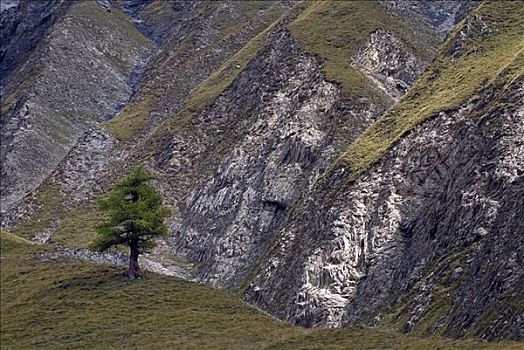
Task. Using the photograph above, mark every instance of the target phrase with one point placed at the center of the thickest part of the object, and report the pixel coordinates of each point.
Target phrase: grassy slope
(74, 227)
(211, 88)
(67, 304)
(48, 209)
(133, 119)
(115, 21)
(496, 59)
(216, 83)
(335, 30)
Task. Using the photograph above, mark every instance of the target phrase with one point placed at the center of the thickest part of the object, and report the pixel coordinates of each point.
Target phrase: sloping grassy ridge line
(335, 30)
(211, 88)
(493, 58)
(69, 304)
(134, 118)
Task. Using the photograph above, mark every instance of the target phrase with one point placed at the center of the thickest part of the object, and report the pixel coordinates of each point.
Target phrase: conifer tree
(135, 216)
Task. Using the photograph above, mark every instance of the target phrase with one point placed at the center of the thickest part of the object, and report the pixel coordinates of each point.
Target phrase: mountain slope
(87, 168)
(420, 226)
(51, 106)
(237, 165)
(325, 160)
(185, 57)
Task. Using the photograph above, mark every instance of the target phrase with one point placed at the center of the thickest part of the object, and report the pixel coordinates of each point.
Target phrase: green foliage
(70, 304)
(134, 213)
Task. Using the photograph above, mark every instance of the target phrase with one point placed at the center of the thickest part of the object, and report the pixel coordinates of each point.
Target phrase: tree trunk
(134, 269)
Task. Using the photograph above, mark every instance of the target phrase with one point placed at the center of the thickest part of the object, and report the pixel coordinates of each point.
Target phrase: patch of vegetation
(514, 304)
(69, 304)
(49, 209)
(495, 59)
(11, 242)
(442, 297)
(115, 21)
(350, 338)
(127, 124)
(335, 31)
(77, 229)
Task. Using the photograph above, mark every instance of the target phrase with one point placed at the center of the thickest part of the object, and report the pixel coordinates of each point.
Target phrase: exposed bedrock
(439, 218)
(43, 117)
(276, 143)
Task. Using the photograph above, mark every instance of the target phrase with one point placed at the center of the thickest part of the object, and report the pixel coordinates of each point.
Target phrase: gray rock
(351, 252)
(388, 63)
(59, 104)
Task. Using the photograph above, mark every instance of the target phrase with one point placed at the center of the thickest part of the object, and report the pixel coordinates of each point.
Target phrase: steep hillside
(204, 40)
(333, 163)
(68, 304)
(418, 225)
(244, 163)
(186, 56)
(51, 106)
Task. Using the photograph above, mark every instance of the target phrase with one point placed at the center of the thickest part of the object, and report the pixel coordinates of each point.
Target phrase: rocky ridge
(277, 149)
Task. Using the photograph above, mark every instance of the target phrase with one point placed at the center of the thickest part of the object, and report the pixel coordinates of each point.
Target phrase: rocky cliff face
(314, 162)
(245, 164)
(428, 238)
(281, 142)
(429, 219)
(385, 61)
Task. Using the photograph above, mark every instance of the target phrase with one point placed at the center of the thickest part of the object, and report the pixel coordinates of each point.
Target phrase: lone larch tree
(135, 216)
